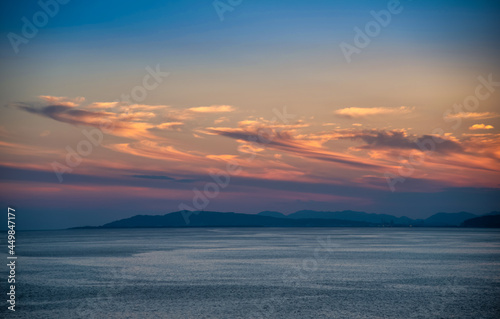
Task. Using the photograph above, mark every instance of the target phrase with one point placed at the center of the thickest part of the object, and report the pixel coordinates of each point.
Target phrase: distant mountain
(436, 220)
(272, 214)
(303, 218)
(486, 221)
(493, 213)
(383, 219)
(216, 219)
(448, 219)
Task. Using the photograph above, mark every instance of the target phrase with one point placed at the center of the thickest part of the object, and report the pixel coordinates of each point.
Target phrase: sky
(111, 109)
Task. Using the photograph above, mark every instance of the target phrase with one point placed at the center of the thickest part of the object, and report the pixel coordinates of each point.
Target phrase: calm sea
(256, 273)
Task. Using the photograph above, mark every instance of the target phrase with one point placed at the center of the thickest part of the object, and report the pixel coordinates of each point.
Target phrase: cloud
(23, 149)
(212, 109)
(132, 121)
(156, 177)
(64, 113)
(103, 105)
(221, 120)
(223, 157)
(125, 108)
(45, 133)
(144, 107)
(481, 127)
(136, 116)
(197, 112)
(154, 150)
(473, 115)
(485, 144)
(399, 139)
(170, 126)
(125, 125)
(451, 159)
(282, 140)
(363, 112)
(261, 123)
(62, 100)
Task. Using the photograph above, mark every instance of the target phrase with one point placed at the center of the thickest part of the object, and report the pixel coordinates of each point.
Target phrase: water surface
(258, 273)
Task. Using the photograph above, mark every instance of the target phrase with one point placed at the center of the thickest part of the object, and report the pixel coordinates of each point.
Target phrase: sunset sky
(179, 90)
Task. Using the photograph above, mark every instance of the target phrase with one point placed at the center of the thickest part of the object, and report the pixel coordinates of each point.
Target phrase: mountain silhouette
(272, 214)
(383, 219)
(449, 219)
(486, 221)
(217, 219)
(303, 218)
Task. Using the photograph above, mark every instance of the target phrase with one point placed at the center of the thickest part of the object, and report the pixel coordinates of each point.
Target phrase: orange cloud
(397, 139)
(154, 150)
(145, 107)
(212, 109)
(22, 149)
(312, 153)
(170, 126)
(363, 112)
(133, 124)
(481, 127)
(221, 120)
(473, 115)
(103, 105)
(62, 100)
(284, 141)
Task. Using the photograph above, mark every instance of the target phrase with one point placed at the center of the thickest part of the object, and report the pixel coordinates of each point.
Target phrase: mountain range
(303, 218)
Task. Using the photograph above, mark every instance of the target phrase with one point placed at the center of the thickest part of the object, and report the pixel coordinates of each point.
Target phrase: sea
(255, 273)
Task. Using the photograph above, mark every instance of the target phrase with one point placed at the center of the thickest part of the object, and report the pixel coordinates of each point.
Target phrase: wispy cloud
(131, 121)
(363, 112)
(62, 100)
(397, 139)
(221, 120)
(473, 115)
(198, 112)
(125, 125)
(212, 109)
(155, 177)
(284, 140)
(154, 150)
(103, 105)
(305, 150)
(170, 126)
